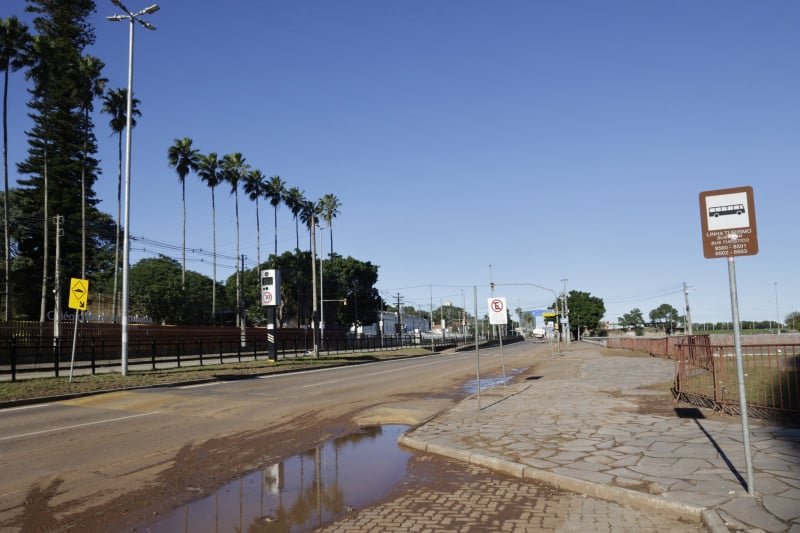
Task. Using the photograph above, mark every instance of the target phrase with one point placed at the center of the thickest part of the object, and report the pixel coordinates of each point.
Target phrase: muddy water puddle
(303, 492)
(471, 387)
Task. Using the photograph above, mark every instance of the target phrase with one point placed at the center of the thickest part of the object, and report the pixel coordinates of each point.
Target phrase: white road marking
(203, 385)
(64, 428)
(22, 407)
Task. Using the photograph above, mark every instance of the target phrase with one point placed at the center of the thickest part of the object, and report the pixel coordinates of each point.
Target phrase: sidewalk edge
(614, 494)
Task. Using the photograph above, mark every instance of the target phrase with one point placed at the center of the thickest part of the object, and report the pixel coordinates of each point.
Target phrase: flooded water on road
(303, 492)
(471, 387)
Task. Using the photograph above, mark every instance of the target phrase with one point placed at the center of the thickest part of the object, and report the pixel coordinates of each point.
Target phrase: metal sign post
(499, 317)
(78, 295)
(728, 221)
(477, 350)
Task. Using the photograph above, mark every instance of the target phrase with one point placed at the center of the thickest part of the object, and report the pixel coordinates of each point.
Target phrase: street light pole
(777, 312)
(555, 296)
(321, 297)
(126, 245)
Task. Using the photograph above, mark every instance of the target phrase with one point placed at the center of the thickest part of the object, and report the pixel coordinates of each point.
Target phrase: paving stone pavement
(479, 500)
(582, 432)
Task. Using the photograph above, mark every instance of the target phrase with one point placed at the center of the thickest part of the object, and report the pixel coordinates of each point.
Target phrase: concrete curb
(604, 492)
(713, 523)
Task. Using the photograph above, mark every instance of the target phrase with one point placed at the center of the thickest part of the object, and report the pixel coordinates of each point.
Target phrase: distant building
(387, 325)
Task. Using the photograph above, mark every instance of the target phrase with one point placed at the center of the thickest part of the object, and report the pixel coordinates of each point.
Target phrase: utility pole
(566, 311)
(58, 219)
(777, 312)
(314, 312)
(430, 294)
(242, 321)
(688, 312)
(399, 327)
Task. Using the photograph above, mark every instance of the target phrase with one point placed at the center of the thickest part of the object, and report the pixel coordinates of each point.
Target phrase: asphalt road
(86, 462)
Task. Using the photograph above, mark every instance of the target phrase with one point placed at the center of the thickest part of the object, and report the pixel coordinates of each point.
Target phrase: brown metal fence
(655, 346)
(31, 349)
(706, 375)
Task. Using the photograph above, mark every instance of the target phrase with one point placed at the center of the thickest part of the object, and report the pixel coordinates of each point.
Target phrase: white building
(387, 325)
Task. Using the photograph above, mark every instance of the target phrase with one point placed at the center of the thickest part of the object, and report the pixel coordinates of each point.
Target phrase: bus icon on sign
(736, 209)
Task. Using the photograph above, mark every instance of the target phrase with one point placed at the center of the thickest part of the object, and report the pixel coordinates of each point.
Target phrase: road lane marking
(203, 385)
(76, 426)
(23, 407)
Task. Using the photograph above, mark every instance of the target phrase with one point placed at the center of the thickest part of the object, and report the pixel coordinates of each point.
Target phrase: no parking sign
(497, 311)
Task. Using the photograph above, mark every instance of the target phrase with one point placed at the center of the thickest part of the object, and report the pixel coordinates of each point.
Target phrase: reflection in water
(471, 387)
(303, 492)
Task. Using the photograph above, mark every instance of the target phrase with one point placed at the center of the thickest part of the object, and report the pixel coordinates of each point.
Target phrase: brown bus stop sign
(728, 220)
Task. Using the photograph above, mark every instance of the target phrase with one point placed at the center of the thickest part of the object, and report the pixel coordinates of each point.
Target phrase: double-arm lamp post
(131, 18)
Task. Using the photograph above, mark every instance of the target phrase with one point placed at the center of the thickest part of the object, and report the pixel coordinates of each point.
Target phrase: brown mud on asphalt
(197, 470)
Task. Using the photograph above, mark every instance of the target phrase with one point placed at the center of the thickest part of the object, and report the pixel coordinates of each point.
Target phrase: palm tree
(183, 158)
(115, 103)
(208, 168)
(294, 201)
(14, 44)
(91, 85)
(276, 192)
(234, 169)
(254, 187)
(329, 209)
(308, 216)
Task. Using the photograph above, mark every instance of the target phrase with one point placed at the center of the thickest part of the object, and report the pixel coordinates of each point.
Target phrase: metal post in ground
(737, 343)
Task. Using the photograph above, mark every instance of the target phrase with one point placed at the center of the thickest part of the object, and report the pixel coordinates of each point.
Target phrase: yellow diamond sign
(78, 293)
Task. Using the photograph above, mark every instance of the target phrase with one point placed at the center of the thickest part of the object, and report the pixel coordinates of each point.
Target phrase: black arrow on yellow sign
(78, 293)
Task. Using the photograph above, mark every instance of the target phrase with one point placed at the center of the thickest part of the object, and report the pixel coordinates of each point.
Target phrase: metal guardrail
(706, 375)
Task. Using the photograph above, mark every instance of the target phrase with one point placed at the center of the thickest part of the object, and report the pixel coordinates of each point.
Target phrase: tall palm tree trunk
(183, 246)
(296, 233)
(213, 256)
(331, 232)
(7, 244)
(238, 273)
(258, 235)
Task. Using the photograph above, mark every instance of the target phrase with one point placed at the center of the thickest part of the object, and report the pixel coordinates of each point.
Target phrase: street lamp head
(115, 18)
(150, 9)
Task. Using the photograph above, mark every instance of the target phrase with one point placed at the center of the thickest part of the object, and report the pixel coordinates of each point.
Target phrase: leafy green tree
(666, 317)
(792, 320)
(354, 280)
(275, 191)
(210, 171)
(294, 201)
(156, 292)
(309, 215)
(183, 158)
(329, 209)
(632, 319)
(15, 41)
(115, 104)
(585, 311)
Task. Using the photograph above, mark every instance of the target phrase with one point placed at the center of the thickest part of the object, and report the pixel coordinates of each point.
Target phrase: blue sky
(551, 140)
